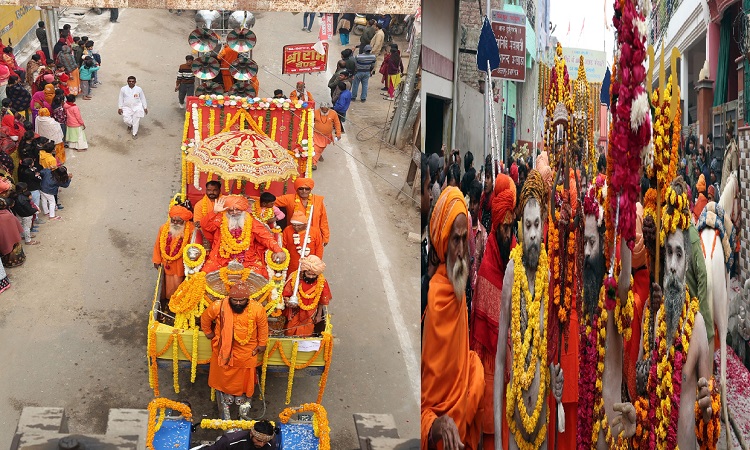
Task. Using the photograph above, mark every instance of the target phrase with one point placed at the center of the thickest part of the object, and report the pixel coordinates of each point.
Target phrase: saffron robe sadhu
(232, 367)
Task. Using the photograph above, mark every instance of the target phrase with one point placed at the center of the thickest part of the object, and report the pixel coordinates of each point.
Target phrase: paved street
(73, 324)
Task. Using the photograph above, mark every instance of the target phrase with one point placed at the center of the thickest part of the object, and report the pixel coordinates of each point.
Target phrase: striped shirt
(365, 62)
(185, 74)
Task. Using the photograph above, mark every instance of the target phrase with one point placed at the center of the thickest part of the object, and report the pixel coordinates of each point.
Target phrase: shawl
(48, 127)
(10, 231)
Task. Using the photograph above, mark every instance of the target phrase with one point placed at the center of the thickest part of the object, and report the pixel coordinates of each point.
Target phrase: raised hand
(219, 205)
(624, 422)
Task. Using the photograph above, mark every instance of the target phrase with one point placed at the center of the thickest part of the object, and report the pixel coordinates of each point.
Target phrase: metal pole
(487, 87)
(293, 299)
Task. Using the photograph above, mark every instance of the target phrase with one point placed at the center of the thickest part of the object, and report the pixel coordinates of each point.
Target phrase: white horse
(717, 275)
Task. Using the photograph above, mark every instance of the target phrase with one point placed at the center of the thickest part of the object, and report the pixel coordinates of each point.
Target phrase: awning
(530, 35)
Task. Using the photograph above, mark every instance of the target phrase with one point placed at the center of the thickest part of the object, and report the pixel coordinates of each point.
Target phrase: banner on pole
(326, 28)
(510, 32)
(303, 58)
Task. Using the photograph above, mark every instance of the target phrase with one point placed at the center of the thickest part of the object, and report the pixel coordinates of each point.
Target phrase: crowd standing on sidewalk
(39, 121)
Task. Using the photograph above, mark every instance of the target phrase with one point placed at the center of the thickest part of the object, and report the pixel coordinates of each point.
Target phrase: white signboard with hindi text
(595, 62)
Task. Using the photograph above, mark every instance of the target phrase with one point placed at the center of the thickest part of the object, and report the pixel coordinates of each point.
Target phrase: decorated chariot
(251, 145)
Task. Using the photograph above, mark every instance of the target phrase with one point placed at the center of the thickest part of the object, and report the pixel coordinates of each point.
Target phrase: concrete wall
(439, 23)
(470, 122)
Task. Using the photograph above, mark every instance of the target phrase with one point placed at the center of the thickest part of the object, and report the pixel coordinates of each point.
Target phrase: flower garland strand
(631, 130)
(290, 379)
(159, 404)
(322, 430)
(226, 425)
(530, 347)
(229, 245)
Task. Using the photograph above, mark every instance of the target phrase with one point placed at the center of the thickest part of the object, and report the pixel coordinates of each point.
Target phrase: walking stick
(293, 301)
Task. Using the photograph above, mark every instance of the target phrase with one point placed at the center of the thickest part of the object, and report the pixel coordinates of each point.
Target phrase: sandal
(32, 243)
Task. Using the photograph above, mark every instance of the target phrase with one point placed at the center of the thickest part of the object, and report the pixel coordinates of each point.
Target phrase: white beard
(176, 231)
(458, 275)
(236, 222)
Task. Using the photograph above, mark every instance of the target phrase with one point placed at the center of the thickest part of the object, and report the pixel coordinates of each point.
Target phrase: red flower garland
(627, 143)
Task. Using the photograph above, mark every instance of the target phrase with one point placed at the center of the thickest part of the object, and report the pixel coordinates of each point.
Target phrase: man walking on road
(365, 64)
(41, 34)
(132, 105)
(327, 130)
(185, 80)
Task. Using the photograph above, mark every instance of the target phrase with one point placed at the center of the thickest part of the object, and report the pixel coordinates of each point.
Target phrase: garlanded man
(606, 312)
(313, 293)
(238, 329)
(327, 130)
(237, 236)
(300, 94)
(486, 309)
(302, 200)
(206, 205)
(678, 403)
(173, 236)
(523, 316)
(452, 375)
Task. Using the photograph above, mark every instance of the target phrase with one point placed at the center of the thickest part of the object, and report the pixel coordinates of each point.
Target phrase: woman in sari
(11, 250)
(42, 99)
(48, 127)
(33, 66)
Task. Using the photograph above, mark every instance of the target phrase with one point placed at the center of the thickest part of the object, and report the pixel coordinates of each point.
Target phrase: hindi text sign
(510, 32)
(302, 58)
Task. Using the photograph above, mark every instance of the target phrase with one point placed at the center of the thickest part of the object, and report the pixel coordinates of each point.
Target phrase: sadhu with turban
(301, 200)
(486, 306)
(173, 236)
(237, 235)
(238, 329)
(452, 375)
(294, 237)
(313, 293)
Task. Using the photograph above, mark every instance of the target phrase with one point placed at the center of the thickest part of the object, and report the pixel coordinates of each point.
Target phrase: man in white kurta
(132, 105)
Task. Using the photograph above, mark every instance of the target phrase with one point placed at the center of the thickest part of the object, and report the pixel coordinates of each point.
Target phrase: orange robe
(251, 324)
(700, 203)
(201, 208)
(250, 257)
(320, 217)
(325, 125)
(641, 292)
(227, 56)
(299, 322)
(315, 246)
(308, 97)
(452, 375)
(174, 272)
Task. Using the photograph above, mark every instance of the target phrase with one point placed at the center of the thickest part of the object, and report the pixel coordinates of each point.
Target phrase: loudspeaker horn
(243, 68)
(243, 89)
(208, 88)
(203, 40)
(241, 40)
(206, 67)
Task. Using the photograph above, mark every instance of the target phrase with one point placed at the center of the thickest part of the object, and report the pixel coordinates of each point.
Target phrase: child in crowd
(75, 136)
(52, 181)
(24, 208)
(88, 69)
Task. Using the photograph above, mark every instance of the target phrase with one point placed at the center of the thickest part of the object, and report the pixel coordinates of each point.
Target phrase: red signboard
(510, 32)
(302, 58)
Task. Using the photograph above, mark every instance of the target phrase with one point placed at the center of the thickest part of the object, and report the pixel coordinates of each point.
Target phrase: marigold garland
(193, 267)
(229, 245)
(290, 379)
(174, 252)
(660, 408)
(263, 215)
(649, 203)
(530, 344)
(314, 294)
(278, 267)
(319, 415)
(708, 432)
(273, 129)
(680, 217)
(159, 404)
(218, 424)
(224, 273)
